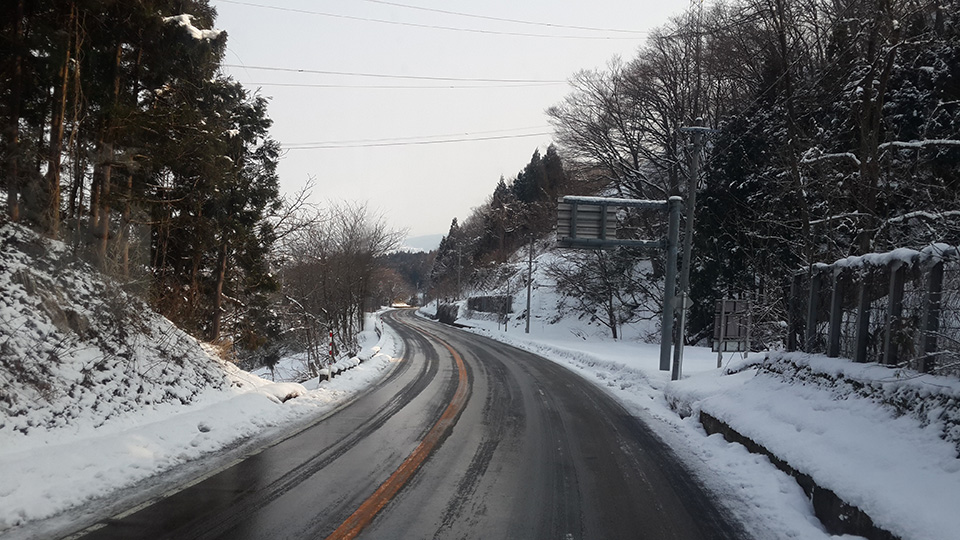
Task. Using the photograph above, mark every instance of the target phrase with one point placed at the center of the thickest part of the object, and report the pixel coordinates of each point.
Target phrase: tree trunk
(75, 204)
(124, 237)
(195, 276)
(793, 131)
(50, 209)
(612, 315)
(105, 147)
(609, 294)
(102, 230)
(161, 233)
(75, 144)
(218, 295)
(871, 123)
(16, 94)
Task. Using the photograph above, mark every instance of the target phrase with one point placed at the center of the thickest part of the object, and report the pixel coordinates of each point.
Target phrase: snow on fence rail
(896, 308)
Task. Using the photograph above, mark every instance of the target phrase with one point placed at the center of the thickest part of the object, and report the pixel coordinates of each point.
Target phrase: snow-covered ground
(103, 400)
(81, 423)
(55, 470)
(844, 424)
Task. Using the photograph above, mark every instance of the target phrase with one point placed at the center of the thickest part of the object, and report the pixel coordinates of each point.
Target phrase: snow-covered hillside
(78, 352)
(551, 311)
(98, 394)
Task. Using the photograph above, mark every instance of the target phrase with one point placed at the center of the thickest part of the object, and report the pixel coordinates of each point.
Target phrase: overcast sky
(368, 144)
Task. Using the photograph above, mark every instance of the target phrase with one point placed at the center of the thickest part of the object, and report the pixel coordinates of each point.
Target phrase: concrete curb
(837, 516)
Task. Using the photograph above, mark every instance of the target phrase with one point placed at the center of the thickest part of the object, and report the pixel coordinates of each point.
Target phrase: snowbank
(856, 429)
(884, 440)
(296, 368)
(101, 395)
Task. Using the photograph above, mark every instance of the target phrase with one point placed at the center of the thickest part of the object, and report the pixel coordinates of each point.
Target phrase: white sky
(420, 187)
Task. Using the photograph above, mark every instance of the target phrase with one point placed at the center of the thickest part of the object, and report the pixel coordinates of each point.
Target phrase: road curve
(466, 438)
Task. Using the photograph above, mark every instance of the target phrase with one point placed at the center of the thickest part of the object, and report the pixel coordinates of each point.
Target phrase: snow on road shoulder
(884, 440)
(376, 342)
(884, 461)
(69, 467)
(767, 501)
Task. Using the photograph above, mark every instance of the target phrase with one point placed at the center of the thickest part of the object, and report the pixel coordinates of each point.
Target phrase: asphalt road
(466, 438)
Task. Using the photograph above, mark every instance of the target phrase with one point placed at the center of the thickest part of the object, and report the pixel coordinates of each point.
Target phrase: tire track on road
(369, 509)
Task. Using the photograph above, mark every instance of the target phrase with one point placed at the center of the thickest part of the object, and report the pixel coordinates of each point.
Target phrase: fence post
(893, 326)
(723, 331)
(813, 306)
(793, 312)
(863, 316)
(836, 314)
(931, 316)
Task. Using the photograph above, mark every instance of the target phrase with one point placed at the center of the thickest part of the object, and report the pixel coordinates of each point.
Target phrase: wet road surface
(466, 438)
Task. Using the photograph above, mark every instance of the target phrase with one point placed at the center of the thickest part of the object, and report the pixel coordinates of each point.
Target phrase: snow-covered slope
(99, 394)
(77, 352)
(551, 312)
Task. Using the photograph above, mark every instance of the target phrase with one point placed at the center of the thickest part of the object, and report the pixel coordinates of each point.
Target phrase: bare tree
(330, 266)
(611, 288)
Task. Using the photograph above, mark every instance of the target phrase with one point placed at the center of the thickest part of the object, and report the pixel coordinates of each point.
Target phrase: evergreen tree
(113, 117)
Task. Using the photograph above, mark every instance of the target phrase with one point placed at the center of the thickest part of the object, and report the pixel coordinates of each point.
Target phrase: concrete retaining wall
(837, 516)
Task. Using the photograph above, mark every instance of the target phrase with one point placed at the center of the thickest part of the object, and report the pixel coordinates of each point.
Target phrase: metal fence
(898, 308)
(491, 304)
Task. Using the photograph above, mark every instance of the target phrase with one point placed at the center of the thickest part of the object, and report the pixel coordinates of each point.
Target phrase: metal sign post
(591, 223)
(731, 327)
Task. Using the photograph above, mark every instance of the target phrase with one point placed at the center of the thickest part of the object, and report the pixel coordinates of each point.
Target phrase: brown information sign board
(731, 326)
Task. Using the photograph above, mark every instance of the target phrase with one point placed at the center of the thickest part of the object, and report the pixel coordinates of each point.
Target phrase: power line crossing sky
(419, 106)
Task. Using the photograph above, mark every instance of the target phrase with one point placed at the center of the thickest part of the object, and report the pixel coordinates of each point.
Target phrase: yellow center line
(389, 489)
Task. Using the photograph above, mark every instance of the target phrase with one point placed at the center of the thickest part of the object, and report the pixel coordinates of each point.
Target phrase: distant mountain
(427, 242)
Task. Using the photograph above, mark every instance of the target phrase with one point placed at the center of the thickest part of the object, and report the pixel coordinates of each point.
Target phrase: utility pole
(670, 281)
(697, 131)
(529, 282)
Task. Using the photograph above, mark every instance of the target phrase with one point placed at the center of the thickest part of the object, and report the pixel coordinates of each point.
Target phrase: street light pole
(697, 132)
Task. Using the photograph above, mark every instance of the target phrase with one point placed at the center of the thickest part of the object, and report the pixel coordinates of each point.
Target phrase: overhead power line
(422, 137)
(391, 76)
(407, 86)
(402, 142)
(418, 25)
(502, 19)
